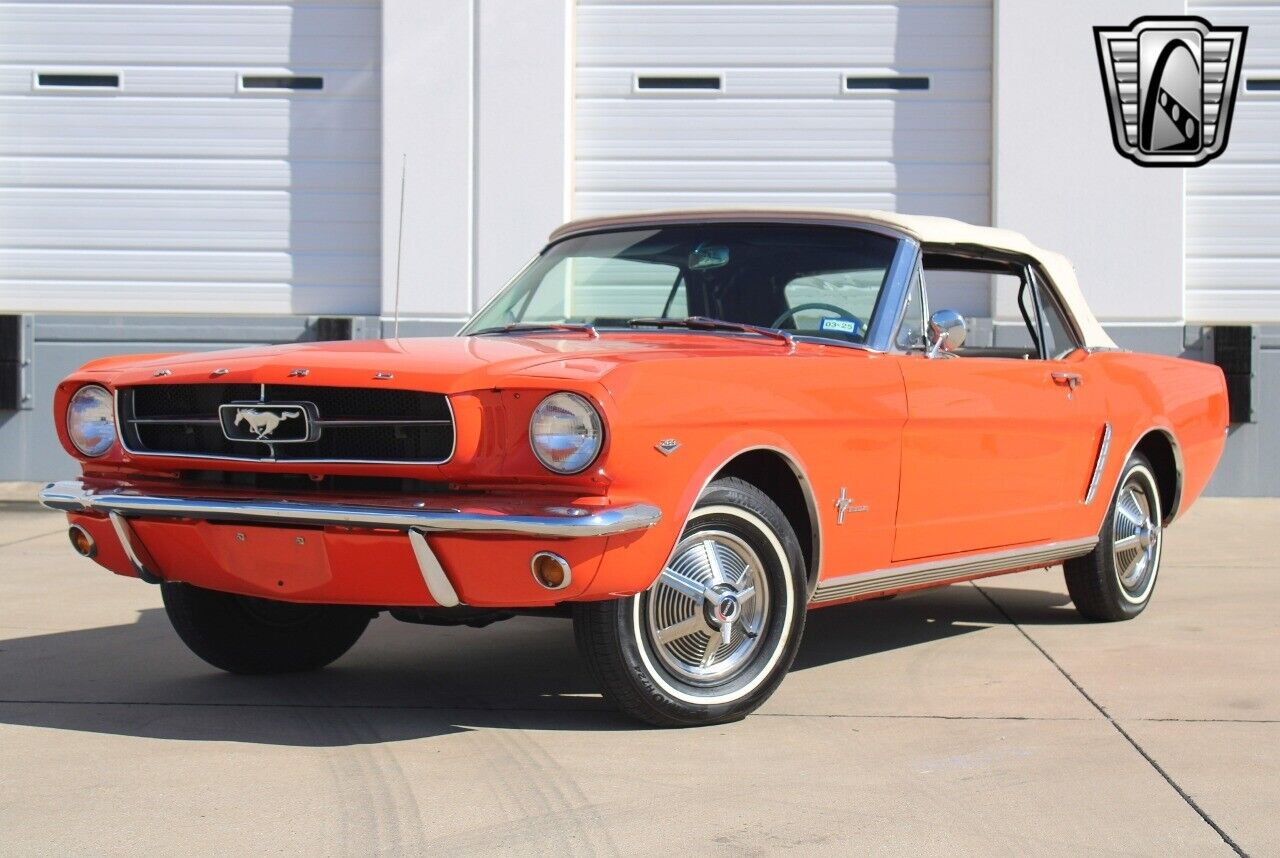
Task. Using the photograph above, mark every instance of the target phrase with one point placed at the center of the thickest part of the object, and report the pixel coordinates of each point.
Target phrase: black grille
(355, 424)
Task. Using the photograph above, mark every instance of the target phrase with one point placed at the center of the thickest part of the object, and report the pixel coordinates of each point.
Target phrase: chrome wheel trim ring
(784, 603)
(1136, 535)
(711, 638)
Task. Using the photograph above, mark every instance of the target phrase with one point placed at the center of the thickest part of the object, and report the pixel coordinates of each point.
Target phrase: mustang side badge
(1170, 84)
(844, 504)
(667, 446)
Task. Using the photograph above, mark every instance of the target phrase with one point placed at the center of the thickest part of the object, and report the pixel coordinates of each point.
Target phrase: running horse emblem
(263, 423)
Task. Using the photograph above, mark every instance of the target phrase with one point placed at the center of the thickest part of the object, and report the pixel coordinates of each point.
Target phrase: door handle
(1067, 379)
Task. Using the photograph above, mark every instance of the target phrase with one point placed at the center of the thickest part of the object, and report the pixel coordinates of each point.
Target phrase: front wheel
(241, 634)
(1115, 580)
(713, 637)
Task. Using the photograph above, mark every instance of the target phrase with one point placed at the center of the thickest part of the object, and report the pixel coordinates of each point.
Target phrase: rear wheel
(716, 633)
(241, 634)
(1115, 580)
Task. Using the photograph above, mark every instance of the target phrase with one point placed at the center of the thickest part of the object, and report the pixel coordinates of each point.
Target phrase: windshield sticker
(844, 326)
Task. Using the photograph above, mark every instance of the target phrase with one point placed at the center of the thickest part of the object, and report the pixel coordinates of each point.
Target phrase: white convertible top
(932, 231)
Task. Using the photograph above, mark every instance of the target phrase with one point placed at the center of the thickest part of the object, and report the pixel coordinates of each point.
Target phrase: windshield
(806, 280)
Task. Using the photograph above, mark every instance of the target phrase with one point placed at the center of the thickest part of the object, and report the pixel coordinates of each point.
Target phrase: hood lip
(736, 336)
(613, 345)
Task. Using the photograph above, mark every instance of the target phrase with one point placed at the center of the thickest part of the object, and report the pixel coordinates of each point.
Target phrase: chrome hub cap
(705, 613)
(1136, 540)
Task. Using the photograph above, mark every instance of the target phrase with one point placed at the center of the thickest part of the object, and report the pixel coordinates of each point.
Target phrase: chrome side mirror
(946, 332)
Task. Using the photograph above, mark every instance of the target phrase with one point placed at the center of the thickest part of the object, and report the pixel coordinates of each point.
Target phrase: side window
(911, 333)
(1058, 339)
(1041, 317)
(1026, 316)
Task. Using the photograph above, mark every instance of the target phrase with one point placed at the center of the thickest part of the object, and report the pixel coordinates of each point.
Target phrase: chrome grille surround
(382, 430)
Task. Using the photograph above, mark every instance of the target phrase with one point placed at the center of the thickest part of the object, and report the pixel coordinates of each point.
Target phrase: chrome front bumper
(120, 504)
(551, 522)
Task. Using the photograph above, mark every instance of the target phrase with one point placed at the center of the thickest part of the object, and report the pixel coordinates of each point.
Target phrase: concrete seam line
(13, 701)
(1226, 838)
(29, 538)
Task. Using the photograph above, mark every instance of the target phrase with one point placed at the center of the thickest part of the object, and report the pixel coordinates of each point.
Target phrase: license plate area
(281, 560)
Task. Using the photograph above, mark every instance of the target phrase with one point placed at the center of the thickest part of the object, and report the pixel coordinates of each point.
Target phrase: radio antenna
(395, 325)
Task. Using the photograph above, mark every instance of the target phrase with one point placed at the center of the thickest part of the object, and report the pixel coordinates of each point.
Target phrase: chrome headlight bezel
(92, 407)
(589, 432)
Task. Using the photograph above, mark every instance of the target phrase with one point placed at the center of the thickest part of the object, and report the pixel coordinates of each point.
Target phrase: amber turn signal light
(81, 541)
(551, 570)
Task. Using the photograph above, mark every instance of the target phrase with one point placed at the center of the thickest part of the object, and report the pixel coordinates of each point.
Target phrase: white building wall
(428, 77)
(524, 133)
(1057, 177)
(476, 94)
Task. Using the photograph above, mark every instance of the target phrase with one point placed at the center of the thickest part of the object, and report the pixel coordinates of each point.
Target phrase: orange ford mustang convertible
(683, 429)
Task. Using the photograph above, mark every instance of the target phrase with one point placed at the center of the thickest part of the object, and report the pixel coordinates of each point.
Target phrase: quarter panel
(1184, 398)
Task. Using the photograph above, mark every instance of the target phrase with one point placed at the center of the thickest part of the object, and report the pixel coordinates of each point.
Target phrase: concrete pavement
(973, 719)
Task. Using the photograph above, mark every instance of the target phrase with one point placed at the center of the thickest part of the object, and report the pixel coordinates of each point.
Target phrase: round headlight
(91, 420)
(566, 432)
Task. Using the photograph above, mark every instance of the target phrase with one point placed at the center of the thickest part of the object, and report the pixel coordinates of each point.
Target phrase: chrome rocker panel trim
(560, 522)
(933, 571)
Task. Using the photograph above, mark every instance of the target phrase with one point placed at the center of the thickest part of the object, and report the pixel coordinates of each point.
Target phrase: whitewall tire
(1115, 581)
(718, 630)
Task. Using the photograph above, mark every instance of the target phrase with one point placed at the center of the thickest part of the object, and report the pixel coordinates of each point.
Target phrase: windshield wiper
(527, 327)
(705, 323)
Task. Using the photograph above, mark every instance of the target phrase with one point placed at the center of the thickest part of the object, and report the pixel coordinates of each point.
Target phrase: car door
(996, 451)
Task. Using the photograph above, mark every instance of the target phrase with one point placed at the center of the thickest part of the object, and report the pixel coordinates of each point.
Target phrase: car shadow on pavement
(407, 682)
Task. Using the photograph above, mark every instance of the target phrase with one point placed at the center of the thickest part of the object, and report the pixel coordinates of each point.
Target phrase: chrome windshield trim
(893, 296)
(657, 220)
(75, 496)
(950, 568)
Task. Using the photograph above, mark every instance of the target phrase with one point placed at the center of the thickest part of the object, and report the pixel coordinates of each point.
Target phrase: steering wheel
(859, 326)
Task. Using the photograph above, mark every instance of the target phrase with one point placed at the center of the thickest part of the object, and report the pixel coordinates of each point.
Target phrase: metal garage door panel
(782, 130)
(921, 35)
(110, 219)
(300, 33)
(1233, 203)
(238, 127)
(179, 192)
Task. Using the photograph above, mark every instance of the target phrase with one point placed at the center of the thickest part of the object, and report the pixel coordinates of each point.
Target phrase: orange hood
(443, 364)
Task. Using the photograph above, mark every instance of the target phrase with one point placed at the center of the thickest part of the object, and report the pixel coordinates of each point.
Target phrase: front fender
(633, 562)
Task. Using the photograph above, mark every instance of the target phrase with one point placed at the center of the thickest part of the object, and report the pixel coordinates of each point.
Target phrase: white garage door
(855, 104)
(189, 157)
(1233, 203)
